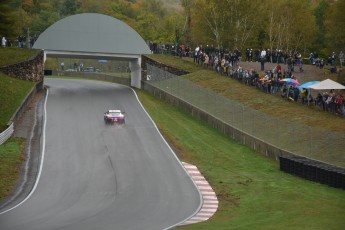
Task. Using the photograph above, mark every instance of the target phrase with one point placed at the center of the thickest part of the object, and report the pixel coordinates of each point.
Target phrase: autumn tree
(69, 7)
(7, 18)
(320, 14)
(186, 31)
(210, 22)
(335, 23)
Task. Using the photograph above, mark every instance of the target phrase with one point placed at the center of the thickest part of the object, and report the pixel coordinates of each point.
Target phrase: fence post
(242, 117)
(311, 141)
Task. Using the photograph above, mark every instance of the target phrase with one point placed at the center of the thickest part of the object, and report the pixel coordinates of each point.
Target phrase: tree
(27, 5)
(69, 7)
(320, 14)
(7, 19)
(210, 21)
(336, 24)
(187, 5)
(291, 26)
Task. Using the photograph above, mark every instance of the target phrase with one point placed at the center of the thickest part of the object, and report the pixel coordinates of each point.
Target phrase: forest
(291, 25)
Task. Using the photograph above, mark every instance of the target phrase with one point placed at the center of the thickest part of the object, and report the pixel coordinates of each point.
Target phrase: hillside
(250, 96)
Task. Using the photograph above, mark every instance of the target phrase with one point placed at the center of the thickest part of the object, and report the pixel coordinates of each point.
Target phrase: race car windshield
(114, 114)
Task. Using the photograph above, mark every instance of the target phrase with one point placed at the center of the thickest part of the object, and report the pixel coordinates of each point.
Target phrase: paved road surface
(98, 176)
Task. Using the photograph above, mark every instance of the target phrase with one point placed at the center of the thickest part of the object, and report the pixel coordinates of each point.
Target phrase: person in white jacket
(3, 41)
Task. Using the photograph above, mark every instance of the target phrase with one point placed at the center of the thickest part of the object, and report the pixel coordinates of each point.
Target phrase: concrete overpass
(94, 36)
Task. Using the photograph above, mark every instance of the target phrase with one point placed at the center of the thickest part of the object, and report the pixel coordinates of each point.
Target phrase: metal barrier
(6, 134)
(302, 140)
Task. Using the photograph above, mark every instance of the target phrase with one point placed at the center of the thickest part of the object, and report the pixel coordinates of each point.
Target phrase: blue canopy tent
(307, 85)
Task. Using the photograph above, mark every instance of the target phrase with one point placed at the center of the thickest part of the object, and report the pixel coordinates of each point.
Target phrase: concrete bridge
(95, 36)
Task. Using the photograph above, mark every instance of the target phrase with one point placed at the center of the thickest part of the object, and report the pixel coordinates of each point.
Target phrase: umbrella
(290, 81)
(307, 84)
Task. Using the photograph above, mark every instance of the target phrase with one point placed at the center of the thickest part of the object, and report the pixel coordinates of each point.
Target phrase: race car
(114, 116)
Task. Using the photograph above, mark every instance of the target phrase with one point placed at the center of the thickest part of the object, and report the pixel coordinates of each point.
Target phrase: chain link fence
(301, 140)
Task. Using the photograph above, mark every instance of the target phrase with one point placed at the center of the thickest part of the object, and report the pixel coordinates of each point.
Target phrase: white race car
(114, 116)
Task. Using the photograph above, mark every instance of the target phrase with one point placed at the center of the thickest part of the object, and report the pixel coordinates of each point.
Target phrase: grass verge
(253, 192)
(12, 94)
(16, 55)
(11, 159)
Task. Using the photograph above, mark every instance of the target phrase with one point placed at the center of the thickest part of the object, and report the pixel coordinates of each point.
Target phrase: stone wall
(31, 70)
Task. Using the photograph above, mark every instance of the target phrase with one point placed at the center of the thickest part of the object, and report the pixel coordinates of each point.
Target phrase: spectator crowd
(19, 42)
(276, 81)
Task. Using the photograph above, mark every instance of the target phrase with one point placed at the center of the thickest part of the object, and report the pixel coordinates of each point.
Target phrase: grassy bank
(15, 55)
(253, 192)
(11, 159)
(12, 94)
(272, 105)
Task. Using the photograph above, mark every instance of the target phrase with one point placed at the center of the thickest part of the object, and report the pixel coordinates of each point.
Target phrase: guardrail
(6, 134)
(9, 131)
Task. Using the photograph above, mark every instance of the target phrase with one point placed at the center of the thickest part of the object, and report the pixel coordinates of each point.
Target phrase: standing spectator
(333, 58)
(62, 66)
(341, 58)
(206, 61)
(339, 103)
(75, 66)
(295, 93)
(268, 55)
(311, 59)
(304, 95)
(3, 41)
(262, 59)
(290, 64)
(257, 55)
(299, 62)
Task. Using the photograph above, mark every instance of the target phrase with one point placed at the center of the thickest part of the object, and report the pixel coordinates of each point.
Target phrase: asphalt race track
(98, 176)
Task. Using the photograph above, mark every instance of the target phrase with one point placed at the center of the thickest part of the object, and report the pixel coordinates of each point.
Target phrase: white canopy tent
(326, 85)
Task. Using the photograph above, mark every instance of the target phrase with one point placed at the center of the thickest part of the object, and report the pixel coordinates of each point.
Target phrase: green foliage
(336, 24)
(43, 20)
(13, 92)
(10, 162)
(320, 15)
(7, 17)
(302, 25)
(69, 7)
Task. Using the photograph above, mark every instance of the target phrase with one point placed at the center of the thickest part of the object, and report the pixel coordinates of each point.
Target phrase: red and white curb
(210, 201)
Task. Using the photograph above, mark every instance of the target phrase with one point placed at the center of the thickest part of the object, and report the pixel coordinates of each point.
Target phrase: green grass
(15, 55)
(12, 94)
(253, 192)
(11, 159)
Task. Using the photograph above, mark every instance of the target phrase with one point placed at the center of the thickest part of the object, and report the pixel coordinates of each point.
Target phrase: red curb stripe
(210, 201)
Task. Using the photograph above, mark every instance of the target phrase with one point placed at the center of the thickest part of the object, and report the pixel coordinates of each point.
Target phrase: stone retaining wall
(146, 60)
(31, 70)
